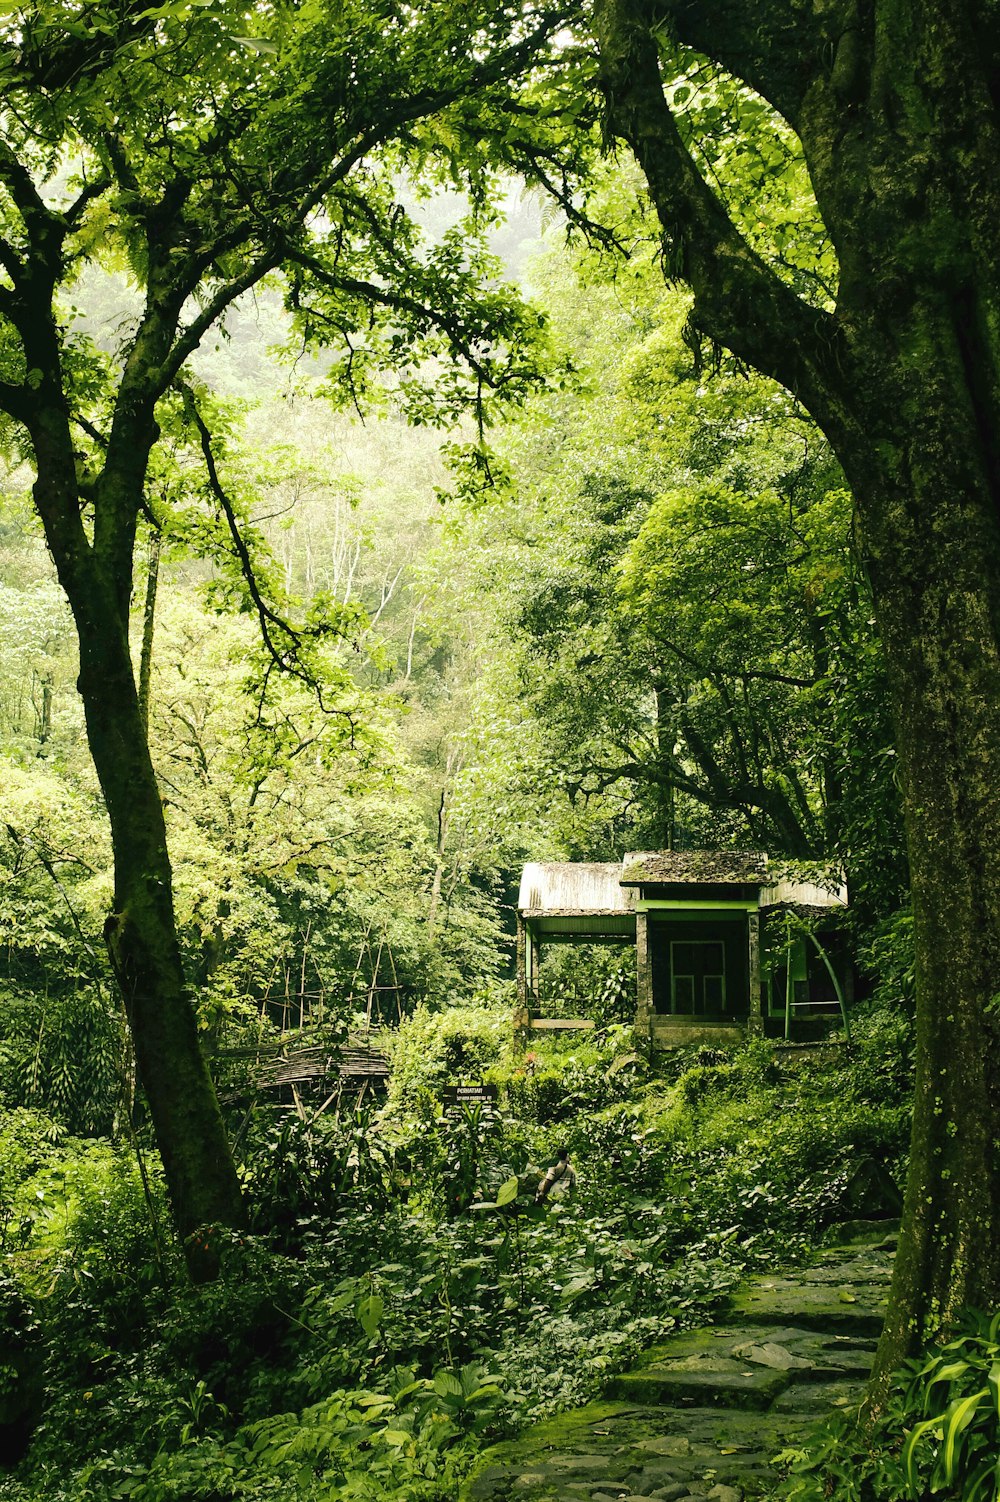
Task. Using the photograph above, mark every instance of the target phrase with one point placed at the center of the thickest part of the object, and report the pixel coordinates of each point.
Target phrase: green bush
(433, 1049)
(64, 1054)
(939, 1435)
(710, 1079)
(298, 1175)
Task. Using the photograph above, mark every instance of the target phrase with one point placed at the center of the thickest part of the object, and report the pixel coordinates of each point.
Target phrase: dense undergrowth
(384, 1317)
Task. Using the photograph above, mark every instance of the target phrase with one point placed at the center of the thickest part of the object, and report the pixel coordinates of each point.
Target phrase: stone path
(701, 1415)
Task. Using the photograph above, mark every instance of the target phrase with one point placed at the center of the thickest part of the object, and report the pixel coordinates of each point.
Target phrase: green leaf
(256, 44)
(993, 1383)
(508, 1192)
(908, 1457)
(370, 1313)
(447, 1385)
(957, 1419)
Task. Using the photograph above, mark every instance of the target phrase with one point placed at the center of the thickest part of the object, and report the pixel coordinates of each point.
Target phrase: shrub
(298, 1175)
(938, 1437)
(433, 1049)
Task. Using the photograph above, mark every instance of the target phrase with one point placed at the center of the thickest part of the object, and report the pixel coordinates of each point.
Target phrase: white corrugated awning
(829, 892)
(573, 888)
(576, 899)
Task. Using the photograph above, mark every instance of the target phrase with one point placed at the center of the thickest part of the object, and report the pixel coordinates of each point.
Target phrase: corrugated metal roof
(604, 887)
(574, 887)
(695, 867)
(829, 891)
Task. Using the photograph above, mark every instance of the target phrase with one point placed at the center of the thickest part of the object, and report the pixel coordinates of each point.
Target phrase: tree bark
(932, 544)
(142, 941)
(96, 575)
(142, 937)
(148, 630)
(893, 102)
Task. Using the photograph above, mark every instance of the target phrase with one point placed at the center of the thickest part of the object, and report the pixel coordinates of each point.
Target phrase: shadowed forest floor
(702, 1415)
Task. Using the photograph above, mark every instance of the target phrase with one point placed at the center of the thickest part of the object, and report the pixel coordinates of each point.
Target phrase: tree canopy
(825, 184)
(202, 149)
(894, 355)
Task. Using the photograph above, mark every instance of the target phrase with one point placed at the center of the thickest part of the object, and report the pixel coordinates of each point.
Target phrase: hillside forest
(437, 439)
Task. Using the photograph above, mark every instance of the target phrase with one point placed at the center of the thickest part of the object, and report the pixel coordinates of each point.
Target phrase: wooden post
(756, 1019)
(522, 1016)
(534, 965)
(789, 985)
(644, 978)
(522, 975)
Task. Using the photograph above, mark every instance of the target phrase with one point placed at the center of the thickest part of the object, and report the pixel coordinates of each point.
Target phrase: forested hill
(653, 633)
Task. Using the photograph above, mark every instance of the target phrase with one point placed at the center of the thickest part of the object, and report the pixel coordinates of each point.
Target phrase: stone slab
(838, 1306)
(718, 1383)
(640, 1449)
(803, 1354)
(820, 1398)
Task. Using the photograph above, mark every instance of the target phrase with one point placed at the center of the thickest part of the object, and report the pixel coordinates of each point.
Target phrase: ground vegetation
(397, 1299)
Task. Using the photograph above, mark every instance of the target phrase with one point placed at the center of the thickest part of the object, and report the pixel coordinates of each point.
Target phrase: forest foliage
(503, 655)
(622, 606)
(397, 1301)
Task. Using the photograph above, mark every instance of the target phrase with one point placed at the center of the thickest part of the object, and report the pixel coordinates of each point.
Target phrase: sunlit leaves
(754, 161)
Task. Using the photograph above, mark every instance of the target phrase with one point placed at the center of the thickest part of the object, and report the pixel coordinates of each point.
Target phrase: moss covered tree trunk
(142, 940)
(894, 104)
(90, 529)
(929, 510)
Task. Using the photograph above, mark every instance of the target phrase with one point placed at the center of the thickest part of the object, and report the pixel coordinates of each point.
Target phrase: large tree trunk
(142, 940)
(96, 574)
(901, 133)
(895, 104)
(929, 510)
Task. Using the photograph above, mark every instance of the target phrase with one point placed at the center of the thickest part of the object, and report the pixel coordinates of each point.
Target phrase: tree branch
(193, 333)
(86, 426)
(400, 302)
(739, 301)
(90, 190)
(20, 185)
(769, 44)
(11, 263)
(15, 401)
(272, 625)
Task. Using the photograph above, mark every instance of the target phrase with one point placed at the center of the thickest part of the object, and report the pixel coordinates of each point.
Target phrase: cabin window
(698, 977)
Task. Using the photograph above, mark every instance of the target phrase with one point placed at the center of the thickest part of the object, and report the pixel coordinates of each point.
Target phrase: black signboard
(469, 1094)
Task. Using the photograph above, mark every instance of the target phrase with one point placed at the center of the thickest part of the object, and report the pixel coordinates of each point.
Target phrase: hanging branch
(272, 625)
(22, 842)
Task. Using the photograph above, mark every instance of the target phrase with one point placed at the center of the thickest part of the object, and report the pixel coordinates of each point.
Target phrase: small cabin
(725, 942)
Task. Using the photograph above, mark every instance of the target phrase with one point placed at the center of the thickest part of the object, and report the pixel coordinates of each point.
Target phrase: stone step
(624, 1448)
(716, 1385)
(819, 1398)
(840, 1293)
(844, 1308)
(742, 1366)
(709, 1408)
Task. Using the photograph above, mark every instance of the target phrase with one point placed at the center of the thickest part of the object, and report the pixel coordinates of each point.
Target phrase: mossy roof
(694, 868)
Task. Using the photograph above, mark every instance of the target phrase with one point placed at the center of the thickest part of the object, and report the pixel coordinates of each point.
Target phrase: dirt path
(701, 1415)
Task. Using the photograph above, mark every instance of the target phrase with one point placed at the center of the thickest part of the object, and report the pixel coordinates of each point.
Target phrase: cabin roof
(694, 868)
(592, 887)
(600, 896)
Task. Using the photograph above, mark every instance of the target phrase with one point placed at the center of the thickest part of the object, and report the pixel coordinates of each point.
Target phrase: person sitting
(559, 1180)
